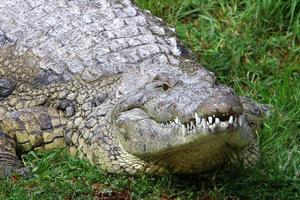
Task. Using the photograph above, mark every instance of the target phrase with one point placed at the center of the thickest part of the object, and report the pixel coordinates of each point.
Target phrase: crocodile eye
(163, 86)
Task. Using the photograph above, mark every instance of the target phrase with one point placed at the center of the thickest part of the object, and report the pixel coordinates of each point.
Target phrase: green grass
(251, 45)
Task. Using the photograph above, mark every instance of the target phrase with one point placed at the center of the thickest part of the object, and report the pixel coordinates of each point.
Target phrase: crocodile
(114, 85)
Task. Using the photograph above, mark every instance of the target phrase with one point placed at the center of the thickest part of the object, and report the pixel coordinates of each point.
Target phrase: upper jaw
(211, 118)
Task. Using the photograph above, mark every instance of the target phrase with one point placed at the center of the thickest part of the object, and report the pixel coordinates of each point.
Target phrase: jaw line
(173, 151)
(140, 128)
(203, 127)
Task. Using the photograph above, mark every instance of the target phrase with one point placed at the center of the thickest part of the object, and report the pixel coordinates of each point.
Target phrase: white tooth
(193, 131)
(224, 124)
(118, 95)
(240, 120)
(176, 120)
(217, 121)
(203, 122)
(210, 119)
(183, 130)
(192, 125)
(197, 118)
(187, 127)
(212, 127)
(198, 127)
(198, 121)
(235, 120)
(230, 121)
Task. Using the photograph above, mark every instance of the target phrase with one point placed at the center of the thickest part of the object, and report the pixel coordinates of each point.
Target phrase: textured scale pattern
(90, 37)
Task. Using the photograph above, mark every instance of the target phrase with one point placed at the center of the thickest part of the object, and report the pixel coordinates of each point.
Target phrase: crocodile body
(115, 85)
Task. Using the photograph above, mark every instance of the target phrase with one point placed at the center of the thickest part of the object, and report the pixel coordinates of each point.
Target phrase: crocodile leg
(37, 128)
(8, 158)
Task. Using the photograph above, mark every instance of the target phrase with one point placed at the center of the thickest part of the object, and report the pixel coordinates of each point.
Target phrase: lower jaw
(207, 153)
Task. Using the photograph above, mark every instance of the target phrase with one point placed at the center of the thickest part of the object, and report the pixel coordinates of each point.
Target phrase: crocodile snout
(221, 105)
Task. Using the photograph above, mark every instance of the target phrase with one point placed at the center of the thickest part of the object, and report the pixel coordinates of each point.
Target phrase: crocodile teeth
(230, 121)
(203, 123)
(212, 127)
(223, 126)
(177, 120)
(118, 94)
(183, 130)
(197, 124)
(236, 120)
(210, 119)
(198, 120)
(192, 125)
(240, 120)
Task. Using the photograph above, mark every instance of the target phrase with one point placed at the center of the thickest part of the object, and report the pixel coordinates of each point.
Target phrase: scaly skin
(115, 85)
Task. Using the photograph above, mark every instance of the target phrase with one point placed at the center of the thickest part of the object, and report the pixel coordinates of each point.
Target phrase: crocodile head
(182, 122)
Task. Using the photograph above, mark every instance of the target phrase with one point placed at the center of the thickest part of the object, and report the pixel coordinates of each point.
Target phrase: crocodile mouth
(137, 125)
(188, 145)
(205, 124)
